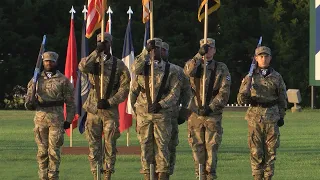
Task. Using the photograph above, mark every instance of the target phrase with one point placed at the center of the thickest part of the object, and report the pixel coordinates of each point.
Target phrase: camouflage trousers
(97, 128)
(205, 136)
(154, 132)
(49, 136)
(263, 140)
(174, 141)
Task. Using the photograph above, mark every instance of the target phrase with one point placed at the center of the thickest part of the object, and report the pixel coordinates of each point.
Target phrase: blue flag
(83, 85)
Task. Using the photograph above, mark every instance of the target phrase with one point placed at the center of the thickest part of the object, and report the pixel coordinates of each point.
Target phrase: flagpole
(205, 58)
(152, 52)
(72, 12)
(129, 12)
(99, 169)
(102, 40)
(109, 12)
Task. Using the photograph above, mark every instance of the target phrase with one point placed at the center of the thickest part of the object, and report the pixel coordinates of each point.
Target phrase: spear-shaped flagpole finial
(109, 11)
(109, 20)
(84, 11)
(129, 12)
(72, 11)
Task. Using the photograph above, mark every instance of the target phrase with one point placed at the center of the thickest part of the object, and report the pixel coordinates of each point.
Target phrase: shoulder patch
(229, 78)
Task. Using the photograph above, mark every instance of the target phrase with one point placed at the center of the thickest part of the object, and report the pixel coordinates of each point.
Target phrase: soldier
(204, 124)
(154, 118)
(103, 117)
(184, 100)
(267, 97)
(53, 90)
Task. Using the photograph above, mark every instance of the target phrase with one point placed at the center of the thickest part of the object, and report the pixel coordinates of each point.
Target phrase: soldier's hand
(204, 111)
(154, 108)
(100, 47)
(151, 44)
(203, 49)
(184, 114)
(103, 104)
(29, 105)
(280, 122)
(66, 125)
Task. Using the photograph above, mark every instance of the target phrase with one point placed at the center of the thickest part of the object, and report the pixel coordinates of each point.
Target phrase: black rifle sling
(112, 78)
(197, 79)
(163, 82)
(146, 82)
(211, 84)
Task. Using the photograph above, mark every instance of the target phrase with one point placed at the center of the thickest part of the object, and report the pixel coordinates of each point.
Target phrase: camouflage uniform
(104, 121)
(268, 103)
(185, 95)
(48, 131)
(154, 129)
(205, 132)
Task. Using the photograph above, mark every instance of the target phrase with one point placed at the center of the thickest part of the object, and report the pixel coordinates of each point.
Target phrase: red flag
(70, 70)
(124, 108)
(96, 9)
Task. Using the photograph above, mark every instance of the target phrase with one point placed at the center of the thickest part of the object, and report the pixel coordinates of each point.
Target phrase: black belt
(51, 103)
(264, 105)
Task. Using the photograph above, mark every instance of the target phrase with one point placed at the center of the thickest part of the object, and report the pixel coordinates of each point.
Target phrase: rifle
(252, 68)
(36, 72)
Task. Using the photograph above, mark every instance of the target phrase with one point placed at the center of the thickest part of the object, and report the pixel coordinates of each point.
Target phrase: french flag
(124, 108)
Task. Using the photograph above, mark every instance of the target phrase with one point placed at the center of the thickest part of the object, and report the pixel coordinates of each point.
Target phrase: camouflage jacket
(186, 92)
(264, 90)
(121, 85)
(221, 84)
(171, 91)
(54, 89)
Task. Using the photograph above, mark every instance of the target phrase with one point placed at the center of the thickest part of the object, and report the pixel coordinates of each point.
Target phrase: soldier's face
(49, 65)
(164, 53)
(211, 53)
(107, 46)
(157, 53)
(263, 60)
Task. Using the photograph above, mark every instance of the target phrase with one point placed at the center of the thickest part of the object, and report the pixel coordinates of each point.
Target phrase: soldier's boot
(203, 177)
(163, 176)
(94, 175)
(211, 177)
(53, 175)
(258, 177)
(146, 176)
(267, 177)
(107, 175)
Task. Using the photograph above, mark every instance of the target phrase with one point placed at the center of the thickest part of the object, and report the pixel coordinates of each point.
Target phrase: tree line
(236, 27)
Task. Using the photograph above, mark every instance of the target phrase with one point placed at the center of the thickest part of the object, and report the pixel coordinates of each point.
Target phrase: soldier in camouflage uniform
(154, 118)
(53, 90)
(267, 97)
(205, 122)
(103, 117)
(185, 96)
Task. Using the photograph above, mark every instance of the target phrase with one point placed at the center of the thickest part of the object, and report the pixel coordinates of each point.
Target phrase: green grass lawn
(298, 155)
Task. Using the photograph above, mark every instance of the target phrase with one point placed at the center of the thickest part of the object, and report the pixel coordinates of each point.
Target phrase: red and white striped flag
(96, 9)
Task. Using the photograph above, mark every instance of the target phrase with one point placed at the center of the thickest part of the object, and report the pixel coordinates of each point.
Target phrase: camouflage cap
(158, 41)
(50, 56)
(165, 46)
(107, 37)
(263, 50)
(211, 42)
